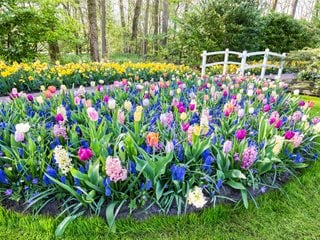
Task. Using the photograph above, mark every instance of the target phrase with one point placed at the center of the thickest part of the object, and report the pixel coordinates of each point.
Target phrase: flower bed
(29, 77)
(168, 144)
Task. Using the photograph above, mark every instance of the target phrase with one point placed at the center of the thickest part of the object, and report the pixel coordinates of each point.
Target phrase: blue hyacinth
(106, 183)
(178, 173)
(52, 173)
(3, 177)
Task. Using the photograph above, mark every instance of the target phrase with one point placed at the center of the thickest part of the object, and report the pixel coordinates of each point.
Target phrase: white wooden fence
(243, 64)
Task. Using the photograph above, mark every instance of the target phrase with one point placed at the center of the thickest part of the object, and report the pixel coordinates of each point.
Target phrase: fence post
(204, 62)
(243, 62)
(226, 58)
(264, 64)
(281, 65)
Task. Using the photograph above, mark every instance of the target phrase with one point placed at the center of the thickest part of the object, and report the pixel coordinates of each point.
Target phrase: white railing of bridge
(243, 63)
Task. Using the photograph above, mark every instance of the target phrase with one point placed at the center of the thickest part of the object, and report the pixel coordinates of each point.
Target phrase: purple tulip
(272, 120)
(30, 97)
(59, 117)
(85, 153)
(192, 106)
(106, 99)
(266, 108)
(241, 134)
(289, 135)
(279, 124)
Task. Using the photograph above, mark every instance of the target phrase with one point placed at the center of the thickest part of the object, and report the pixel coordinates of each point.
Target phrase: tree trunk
(165, 19)
(85, 34)
(294, 7)
(137, 11)
(103, 29)
(156, 23)
(54, 51)
(146, 26)
(186, 7)
(274, 5)
(175, 22)
(123, 25)
(93, 30)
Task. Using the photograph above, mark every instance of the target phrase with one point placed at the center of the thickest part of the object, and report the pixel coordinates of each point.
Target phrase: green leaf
(236, 185)
(244, 195)
(63, 225)
(264, 166)
(65, 187)
(110, 215)
(159, 190)
(93, 173)
(79, 175)
(235, 173)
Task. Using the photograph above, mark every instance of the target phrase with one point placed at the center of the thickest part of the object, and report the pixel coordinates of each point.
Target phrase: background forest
(157, 30)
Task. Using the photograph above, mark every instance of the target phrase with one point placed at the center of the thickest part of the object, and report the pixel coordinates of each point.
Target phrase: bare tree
(103, 29)
(294, 7)
(156, 23)
(146, 26)
(137, 11)
(54, 51)
(93, 30)
(274, 5)
(165, 19)
(123, 25)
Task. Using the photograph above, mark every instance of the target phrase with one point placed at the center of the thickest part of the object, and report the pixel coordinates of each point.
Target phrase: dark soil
(53, 208)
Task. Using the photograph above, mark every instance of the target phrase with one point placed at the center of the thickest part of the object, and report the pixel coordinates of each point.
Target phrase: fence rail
(243, 63)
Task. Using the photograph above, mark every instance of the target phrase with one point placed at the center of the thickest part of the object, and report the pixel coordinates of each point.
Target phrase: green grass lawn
(291, 214)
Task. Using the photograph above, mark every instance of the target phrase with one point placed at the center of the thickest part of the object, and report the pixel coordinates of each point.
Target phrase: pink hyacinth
(85, 154)
(169, 147)
(275, 115)
(297, 139)
(241, 134)
(19, 136)
(249, 155)
(121, 117)
(114, 169)
(60, 131)
(315, 120)
(166, 119)
(296, 116)
(289, 135)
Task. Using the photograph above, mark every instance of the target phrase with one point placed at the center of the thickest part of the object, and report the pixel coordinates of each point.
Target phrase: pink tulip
(93, 114)
(185, 126)
(85, 153)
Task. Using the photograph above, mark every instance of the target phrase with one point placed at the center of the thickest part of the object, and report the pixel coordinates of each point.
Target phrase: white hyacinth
(63, 160)
(196, 197)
